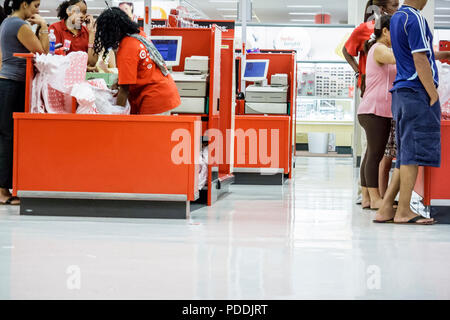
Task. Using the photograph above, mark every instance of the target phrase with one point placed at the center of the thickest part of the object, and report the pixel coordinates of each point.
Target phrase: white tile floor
(305, 240)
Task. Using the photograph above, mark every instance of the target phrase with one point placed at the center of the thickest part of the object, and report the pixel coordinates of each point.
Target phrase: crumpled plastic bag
(94, 97)
(444, 89)
(85, 97)
(203, 168)
(54, 80)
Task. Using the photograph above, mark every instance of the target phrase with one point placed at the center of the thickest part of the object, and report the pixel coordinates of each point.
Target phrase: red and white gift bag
(54, 81)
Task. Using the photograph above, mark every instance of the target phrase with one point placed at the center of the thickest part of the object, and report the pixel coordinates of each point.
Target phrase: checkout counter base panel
(105, 208)
(253, 178)
(439, 210)
(440, 213)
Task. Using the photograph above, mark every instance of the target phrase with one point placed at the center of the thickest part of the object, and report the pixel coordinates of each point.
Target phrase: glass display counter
(325, 92)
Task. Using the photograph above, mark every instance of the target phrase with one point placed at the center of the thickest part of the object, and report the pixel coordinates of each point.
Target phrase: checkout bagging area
(162, 166)
(136, 166)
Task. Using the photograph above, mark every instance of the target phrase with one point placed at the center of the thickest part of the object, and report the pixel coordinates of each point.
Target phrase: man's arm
(425, 74)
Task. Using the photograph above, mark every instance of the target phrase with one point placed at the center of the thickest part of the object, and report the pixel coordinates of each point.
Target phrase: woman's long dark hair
(2, 15)
(62, 9)
(112, 26)
(385, 22)
(12, 5)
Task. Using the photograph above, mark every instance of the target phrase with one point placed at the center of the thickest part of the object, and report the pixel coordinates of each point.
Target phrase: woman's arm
(350, 59)
(122, 96)
(384, 55)
(92, 56)
(29, 40)
(442, 55)
(112, 59)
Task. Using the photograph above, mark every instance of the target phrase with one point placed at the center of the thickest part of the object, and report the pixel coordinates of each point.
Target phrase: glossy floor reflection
(305, 240)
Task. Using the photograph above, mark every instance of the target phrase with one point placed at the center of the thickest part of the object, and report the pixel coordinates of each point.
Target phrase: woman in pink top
(374, 112)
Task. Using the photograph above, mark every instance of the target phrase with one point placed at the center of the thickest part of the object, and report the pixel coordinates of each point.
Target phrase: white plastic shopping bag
(94, 97)
(203, 168)
(444, 89)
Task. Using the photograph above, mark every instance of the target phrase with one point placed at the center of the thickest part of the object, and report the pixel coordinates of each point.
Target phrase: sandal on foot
(414, 220)
(384, 221)
(9, 202)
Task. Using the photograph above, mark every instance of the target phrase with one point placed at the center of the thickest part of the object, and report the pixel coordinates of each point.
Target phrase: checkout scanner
(192, 84)
(261, 98)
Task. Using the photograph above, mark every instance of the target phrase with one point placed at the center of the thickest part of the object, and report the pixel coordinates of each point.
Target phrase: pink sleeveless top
(377, 99)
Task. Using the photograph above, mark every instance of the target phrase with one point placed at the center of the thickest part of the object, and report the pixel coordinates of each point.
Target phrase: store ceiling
(265, 11)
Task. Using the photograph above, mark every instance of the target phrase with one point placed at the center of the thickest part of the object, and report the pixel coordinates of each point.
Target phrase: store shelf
(325, 98)
(325, 122)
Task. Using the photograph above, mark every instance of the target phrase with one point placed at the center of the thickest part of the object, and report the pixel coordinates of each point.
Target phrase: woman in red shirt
(354, 46)
(73, 13)
(143, 76)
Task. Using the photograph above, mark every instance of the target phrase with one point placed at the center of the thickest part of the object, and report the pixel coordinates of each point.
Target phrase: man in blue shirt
(415, 108)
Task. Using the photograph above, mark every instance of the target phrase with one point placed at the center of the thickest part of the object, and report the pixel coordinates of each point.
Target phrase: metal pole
(243, 12)
(148, 17)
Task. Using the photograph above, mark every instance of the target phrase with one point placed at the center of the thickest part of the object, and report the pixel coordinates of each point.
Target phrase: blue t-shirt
(410, 33)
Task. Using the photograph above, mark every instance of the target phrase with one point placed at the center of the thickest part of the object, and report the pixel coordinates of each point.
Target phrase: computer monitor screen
(170, 49)
(256, 70)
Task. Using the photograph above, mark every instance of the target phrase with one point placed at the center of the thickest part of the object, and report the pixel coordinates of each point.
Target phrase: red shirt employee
(354, 46)
(73, 13)
(144, 81)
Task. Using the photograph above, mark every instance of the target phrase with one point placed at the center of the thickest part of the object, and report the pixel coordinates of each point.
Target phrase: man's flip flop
(383, 221)
(414, 220)
(9, 202)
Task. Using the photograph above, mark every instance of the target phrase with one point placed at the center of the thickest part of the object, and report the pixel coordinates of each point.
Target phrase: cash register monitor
(169, 47)
(256, 70)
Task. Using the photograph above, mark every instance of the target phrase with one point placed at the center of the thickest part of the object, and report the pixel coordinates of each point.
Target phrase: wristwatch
(356, 74)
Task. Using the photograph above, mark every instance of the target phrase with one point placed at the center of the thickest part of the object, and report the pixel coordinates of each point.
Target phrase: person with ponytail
(374, 112)
(354, 47)
(72, 15)
(16, 36)
(144, 79)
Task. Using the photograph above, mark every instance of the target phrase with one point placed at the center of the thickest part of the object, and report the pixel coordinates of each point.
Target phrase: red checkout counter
(433, 184)
(120, 166)
(273, 134)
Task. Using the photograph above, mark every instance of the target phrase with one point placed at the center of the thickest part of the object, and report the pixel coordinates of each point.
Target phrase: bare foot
(385, 213)
(7, 198)
(404, 216)
(376, 204)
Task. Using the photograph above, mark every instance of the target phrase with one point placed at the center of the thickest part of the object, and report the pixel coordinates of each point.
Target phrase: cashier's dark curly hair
(112, 26)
